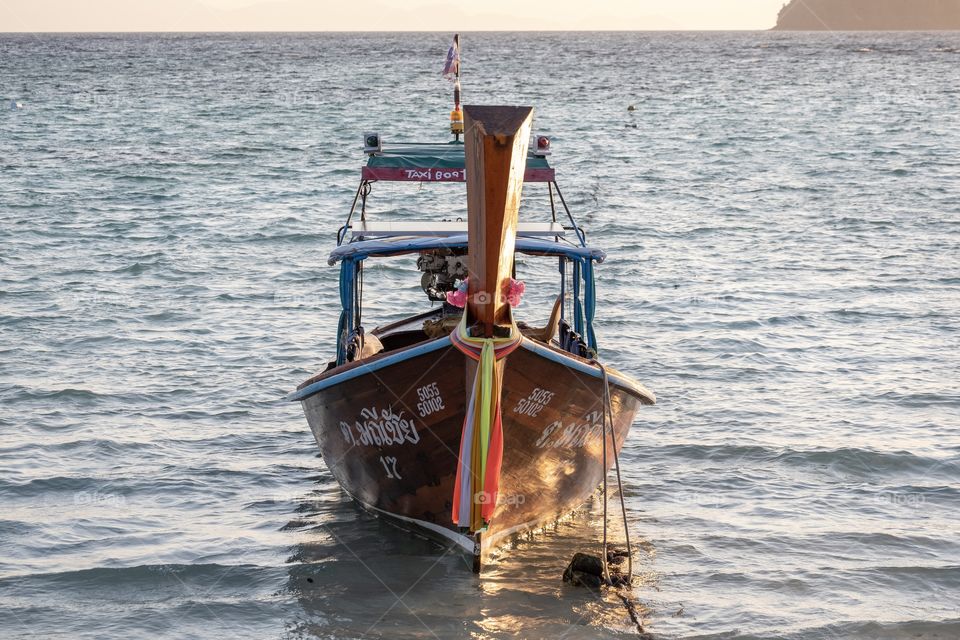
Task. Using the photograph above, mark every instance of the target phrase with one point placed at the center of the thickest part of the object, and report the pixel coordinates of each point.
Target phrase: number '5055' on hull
(389, 428)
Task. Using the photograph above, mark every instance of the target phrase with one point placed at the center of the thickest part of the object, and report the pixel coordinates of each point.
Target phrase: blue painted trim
(583, 367)
(362, 370)
(394, 246)
(577, 305)
(563, 287)
(348, 273)
(589, 303)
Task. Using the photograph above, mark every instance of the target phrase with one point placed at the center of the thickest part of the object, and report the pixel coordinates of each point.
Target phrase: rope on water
(584, 567)
(608, 421)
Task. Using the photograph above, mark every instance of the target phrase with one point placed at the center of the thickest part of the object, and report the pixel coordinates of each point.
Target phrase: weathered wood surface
(391, 438)
(495, 146)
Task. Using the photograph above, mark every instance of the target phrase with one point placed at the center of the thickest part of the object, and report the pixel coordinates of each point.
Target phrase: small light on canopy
(372, 143)
(541, 146)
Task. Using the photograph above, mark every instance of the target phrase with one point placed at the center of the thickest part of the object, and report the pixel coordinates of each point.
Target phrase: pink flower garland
(515, 291)
(458, 298)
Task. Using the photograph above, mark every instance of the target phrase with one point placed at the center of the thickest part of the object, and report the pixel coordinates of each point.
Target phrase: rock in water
(587, 571)
(869, 15)
(616, 556)
(584, 571)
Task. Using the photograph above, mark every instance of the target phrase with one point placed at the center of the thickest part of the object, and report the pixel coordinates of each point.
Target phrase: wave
(68, 394)
(856, 630)
(223, 577)
(921, 399)
(850, 459)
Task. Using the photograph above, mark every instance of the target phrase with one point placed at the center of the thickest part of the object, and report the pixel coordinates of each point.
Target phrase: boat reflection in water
(356, 575)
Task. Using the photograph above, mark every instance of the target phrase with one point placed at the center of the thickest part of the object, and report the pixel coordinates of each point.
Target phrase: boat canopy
(360, 239)
(360, 250)
(419, 162)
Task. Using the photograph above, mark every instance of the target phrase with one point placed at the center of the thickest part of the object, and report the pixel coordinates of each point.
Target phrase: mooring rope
(619, 589)
(608, 420)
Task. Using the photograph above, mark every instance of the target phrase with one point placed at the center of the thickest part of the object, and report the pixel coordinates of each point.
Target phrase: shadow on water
(355, 574)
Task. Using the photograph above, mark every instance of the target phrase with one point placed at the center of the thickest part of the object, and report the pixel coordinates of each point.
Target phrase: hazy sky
(382, 15)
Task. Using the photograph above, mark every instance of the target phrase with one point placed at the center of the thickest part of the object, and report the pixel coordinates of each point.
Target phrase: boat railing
(366, 186)
(575, 266)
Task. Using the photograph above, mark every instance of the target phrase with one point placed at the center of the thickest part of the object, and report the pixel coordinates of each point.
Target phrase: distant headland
(869, 15)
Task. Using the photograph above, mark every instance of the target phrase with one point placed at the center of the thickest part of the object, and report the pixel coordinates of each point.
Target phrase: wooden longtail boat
(457, 420)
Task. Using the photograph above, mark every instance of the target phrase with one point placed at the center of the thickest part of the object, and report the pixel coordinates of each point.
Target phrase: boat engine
(442, 270)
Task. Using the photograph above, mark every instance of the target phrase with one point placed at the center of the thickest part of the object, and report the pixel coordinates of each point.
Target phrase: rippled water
(783, 217)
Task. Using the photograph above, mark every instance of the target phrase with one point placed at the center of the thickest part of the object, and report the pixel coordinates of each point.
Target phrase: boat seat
(439, 327)
(371, 346)
(363, 345)
(546, 333)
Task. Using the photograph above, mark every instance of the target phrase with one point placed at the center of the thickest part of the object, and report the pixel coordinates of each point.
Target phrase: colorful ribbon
(481, 442)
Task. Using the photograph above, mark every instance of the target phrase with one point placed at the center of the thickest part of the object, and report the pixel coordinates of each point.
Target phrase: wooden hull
(389, 429)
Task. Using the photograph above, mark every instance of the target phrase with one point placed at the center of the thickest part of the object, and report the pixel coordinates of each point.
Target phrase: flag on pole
(452, 67)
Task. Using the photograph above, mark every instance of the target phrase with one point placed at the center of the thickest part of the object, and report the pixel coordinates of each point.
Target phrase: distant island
(869, 15)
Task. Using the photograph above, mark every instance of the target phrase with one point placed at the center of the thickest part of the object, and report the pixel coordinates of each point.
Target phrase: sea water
(782, 217)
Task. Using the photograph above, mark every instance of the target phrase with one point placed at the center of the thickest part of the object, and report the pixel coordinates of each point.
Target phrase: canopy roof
(397, 246)
(416, 162)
